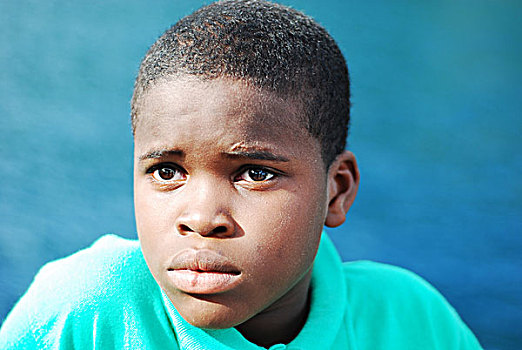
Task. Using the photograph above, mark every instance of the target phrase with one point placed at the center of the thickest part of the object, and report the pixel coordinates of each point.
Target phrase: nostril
(185, 228)
(217, 231)
(220, 229)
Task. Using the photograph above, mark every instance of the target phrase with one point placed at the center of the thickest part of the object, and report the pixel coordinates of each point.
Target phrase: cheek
(152, 209)
(300, 213)
(287, 233)
(152, 224)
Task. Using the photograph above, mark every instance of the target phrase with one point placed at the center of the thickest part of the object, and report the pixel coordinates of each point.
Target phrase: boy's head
(235, 174)
(272, 47)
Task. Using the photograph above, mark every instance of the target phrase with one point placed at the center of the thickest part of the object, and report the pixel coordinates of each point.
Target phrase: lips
(202, 272)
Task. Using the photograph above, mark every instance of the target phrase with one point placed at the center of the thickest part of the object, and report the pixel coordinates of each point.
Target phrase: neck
(282, 321)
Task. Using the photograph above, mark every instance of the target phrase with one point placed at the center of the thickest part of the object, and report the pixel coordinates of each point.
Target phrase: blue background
(436, 128)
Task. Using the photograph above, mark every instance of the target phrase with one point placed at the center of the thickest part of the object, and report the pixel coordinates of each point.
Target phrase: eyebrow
(245, 153)
(257, 155)
(161, 153)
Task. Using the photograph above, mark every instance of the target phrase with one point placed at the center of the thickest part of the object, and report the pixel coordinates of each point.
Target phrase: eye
(167, 173)
(257, 174)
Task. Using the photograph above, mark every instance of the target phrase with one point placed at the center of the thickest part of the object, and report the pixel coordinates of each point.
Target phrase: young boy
(240, 115)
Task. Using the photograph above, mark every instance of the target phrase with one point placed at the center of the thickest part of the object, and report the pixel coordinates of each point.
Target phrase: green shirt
(104, 297)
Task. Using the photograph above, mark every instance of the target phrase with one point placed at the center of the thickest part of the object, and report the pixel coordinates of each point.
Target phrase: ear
(343, 182)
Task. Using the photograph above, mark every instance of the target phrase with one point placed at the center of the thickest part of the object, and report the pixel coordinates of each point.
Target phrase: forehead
(223, 112)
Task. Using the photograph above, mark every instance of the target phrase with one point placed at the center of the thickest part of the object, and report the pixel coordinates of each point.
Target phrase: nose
(206, 212)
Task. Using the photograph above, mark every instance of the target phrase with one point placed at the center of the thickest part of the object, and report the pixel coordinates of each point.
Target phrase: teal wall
(436, 127)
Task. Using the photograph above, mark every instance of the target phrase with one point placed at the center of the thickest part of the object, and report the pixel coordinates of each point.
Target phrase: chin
(206, 312)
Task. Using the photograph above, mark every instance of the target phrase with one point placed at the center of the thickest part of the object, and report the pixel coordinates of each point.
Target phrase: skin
(224, 167)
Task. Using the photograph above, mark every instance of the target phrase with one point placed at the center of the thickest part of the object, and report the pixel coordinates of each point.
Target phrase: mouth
(202, 272)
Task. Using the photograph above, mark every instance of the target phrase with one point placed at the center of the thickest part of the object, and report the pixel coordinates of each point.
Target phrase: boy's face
(230, 198)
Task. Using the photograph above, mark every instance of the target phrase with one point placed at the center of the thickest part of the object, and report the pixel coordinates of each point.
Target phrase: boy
(240, 115)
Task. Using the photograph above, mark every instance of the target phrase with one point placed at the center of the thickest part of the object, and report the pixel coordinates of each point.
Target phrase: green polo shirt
(104, 297)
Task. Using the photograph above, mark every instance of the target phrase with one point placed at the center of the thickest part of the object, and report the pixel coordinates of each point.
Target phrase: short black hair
(274, 47)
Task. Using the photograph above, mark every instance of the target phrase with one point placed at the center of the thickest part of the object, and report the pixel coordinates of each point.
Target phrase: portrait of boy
(240, 114)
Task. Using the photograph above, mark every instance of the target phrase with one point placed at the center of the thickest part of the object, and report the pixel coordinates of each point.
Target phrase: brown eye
(167, 174)
(256, 175)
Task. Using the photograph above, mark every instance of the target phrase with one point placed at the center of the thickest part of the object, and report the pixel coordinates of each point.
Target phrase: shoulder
(403, 307)
(380, 287)
(100, 269)
(107, 284)
(373, 277)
